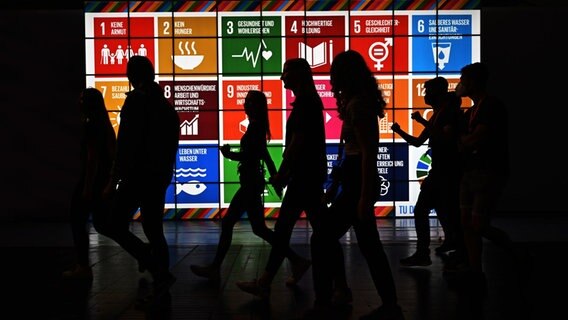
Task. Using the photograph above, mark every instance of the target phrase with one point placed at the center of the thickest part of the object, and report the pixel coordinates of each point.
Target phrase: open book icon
(315, 56)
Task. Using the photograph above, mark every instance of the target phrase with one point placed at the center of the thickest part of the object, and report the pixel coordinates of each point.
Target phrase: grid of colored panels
(209, 54)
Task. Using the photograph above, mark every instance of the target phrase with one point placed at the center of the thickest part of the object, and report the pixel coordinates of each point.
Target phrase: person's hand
(225, 149)
(395, 127)
(416, 116)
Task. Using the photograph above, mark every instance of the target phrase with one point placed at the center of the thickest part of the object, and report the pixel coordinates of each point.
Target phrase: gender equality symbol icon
(379, 52)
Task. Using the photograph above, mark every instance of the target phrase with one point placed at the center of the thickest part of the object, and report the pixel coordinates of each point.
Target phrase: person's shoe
(253, 287)
(78, 272)
(416, 260)
(445, 247)
(298, 270)
(342, 296)
(384, 313)
(456, 262)
(208, 272)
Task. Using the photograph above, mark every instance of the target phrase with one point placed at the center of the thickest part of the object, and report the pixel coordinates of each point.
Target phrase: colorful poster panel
(196, 176)
(114, 94)
(395, 94)
(447, 40)
(315, 38)
(235, 121)
(332, 153)
(251, 45)
(374, 39)
(197, 106)
(117, 39)
(231, 176)
(330, 114)
(187, 45)
(392, 167)
(419, 165)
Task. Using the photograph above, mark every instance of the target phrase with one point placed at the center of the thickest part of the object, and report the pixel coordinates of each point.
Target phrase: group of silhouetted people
(125, 174)
(469, 170)
(303, 172)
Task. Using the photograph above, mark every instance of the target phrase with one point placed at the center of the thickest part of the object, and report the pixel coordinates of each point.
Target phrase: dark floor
(528, 284)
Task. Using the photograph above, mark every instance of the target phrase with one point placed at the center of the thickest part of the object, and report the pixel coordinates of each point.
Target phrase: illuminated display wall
(208, 54)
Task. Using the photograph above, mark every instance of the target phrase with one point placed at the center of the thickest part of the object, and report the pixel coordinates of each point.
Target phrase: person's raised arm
(412, 140)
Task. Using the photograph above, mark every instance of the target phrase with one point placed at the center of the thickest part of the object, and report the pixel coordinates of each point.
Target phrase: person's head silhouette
(256, 108)
(255, 105)
(140, 71)
(348, 71)
(297, 76)
(473, 80)
(434, 90)
(92, 105)
(350, 76)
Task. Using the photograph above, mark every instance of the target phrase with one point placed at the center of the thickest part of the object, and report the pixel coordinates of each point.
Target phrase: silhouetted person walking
(303, 171)
(360, 105)
(486, 166)
(97, 152)
(252, 156)
(146, 149)
(440, 189)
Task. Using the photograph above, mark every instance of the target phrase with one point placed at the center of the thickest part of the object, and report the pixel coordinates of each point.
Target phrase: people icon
(129, 52)
(142, 51)
(105, 54)
(118, 56)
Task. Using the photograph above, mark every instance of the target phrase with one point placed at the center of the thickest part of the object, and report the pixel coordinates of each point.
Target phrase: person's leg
(234, 213)
(495, 186)
(125, 205)
(422, 209)
(236, 209)
(328, 265)
(255, 212)
(102, 213)
(446, 204)
(422, 222)
(290, 212)
(487, 190)
(467, 198)
(453, 207)
(372, 249)
(152, 214)
(79, 215)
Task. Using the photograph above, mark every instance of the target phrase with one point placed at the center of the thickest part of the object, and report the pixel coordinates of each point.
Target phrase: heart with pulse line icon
(266, 54)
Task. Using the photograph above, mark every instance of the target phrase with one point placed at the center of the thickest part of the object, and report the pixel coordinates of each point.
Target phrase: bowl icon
(188, 62)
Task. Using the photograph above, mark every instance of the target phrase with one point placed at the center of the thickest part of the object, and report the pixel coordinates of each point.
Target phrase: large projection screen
(208, 54)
